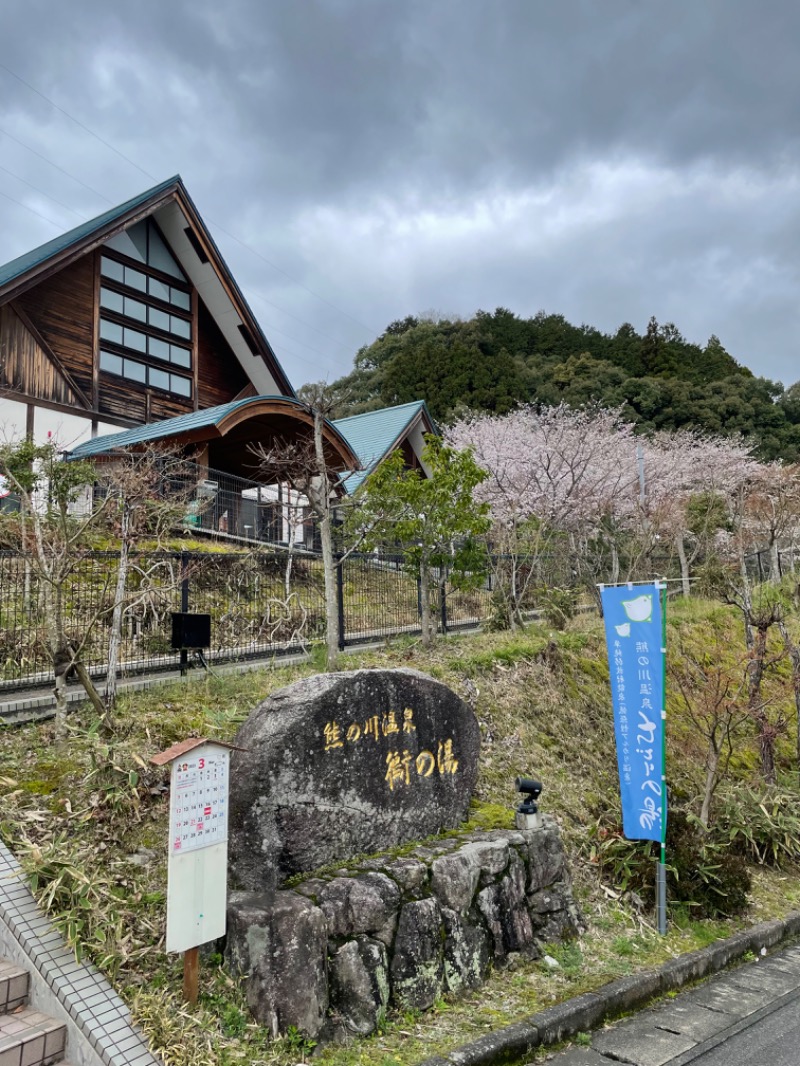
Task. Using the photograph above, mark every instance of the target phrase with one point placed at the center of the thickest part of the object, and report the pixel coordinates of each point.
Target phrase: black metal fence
(261, 604)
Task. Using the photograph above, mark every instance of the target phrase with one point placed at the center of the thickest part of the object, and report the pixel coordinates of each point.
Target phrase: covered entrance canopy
(222, 437)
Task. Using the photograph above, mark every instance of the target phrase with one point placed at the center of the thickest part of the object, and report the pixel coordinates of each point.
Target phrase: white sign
(198, 848)
(199, 799)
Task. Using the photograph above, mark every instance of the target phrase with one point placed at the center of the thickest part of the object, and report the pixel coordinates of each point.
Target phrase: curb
(585, 1012)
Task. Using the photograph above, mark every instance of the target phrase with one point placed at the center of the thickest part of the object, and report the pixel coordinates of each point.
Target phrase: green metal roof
(169, 427)
(371, 436)
(175, 427)
(17, 267)
(376, 433)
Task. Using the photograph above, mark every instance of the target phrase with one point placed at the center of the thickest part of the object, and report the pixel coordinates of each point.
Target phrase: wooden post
(191, 974)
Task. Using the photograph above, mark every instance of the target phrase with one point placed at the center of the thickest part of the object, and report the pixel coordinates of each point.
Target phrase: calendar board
(199, 799)
(198, 846)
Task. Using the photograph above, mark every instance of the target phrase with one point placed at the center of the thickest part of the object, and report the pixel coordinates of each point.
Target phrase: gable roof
(21, 266)
(375, 434)
(216, 284)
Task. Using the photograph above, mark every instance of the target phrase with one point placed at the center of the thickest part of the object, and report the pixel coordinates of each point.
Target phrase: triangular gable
(191, 243)
(29, 366)
(23, 271)
(376, 434)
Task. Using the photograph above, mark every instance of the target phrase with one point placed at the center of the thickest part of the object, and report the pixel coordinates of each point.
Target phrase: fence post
(443, 605)
(340, 600)
(184, 605)
(419, 598)
(760, 568)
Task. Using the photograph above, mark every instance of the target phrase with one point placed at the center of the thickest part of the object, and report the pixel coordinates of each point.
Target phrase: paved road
(747, 1017)
(774, 1040)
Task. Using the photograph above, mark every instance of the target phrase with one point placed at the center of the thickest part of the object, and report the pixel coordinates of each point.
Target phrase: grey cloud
(282, 115)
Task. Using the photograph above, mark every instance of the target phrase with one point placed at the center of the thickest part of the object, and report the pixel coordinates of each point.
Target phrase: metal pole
(340, 600)
(662, 866)
(184, 606)
(661, 883)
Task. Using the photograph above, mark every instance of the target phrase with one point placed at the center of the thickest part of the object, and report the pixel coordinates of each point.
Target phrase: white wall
(68, 431)
(13, 417)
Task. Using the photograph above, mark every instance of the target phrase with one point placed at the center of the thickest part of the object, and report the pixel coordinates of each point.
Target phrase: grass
(96, 836)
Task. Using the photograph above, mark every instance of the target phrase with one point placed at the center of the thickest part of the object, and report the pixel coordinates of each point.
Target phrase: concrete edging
(586, 1011)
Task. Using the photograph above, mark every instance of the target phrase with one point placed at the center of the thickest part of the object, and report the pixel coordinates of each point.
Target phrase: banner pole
(662, 866)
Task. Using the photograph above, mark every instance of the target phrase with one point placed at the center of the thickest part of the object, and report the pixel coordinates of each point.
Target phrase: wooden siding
(25, 366)
(136, 403)
(220, 374)
(163, 405)
(119, 399)
(62, 310)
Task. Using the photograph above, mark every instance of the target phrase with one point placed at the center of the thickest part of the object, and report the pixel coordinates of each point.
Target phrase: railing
(232, 507)
(766, 565)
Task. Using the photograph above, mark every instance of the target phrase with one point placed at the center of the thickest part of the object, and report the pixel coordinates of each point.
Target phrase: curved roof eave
(214, 422)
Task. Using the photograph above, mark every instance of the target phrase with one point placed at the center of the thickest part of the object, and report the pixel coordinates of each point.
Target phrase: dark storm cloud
(609, 160)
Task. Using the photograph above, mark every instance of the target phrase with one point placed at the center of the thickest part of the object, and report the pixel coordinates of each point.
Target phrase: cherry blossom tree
(565, 473)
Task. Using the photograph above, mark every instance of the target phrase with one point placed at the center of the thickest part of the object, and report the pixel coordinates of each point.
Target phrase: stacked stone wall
(334, 953)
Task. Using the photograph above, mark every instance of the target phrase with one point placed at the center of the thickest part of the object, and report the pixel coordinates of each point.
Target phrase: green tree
(434, 520)
(497, 360)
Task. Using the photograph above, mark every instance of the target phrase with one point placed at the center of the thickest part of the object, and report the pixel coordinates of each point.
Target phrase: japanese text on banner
(634, 637)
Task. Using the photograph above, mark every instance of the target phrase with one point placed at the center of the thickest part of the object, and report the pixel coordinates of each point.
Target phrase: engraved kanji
(444, 759)
(333, 736)
(390, 724)
(397, 768)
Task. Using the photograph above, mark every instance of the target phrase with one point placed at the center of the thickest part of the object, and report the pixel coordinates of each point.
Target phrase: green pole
(662, 866)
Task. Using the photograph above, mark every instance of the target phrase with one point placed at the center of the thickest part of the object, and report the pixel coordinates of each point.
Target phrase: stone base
(330, 956)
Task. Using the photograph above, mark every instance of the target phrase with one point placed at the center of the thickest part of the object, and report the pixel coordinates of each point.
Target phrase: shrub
(701, 872)
(763, 825)
(86, 906)
(556, 604)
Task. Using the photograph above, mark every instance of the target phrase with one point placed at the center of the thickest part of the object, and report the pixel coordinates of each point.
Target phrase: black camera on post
(531, 790)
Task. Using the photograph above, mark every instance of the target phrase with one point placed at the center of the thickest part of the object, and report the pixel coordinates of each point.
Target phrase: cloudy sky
(361, 160)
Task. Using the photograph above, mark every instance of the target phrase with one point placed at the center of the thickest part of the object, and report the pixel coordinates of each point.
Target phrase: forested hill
(494, 361)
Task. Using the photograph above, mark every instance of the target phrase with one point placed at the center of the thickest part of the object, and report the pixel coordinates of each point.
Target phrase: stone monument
(352, 764)
(345, 764)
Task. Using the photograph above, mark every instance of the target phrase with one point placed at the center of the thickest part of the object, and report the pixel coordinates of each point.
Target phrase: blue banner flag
(635, 636)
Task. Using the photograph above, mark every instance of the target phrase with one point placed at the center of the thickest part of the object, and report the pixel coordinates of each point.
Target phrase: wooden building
(128, 319)
(130, 328)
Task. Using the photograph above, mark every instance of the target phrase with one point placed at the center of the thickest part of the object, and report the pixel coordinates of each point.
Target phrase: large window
(133, 370)
(145, 312)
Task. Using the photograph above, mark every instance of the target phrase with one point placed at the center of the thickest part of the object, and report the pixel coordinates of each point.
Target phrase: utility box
(190, 630)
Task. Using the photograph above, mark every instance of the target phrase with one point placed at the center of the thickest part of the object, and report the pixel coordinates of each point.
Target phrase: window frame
(118, 349)
(164, 368)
